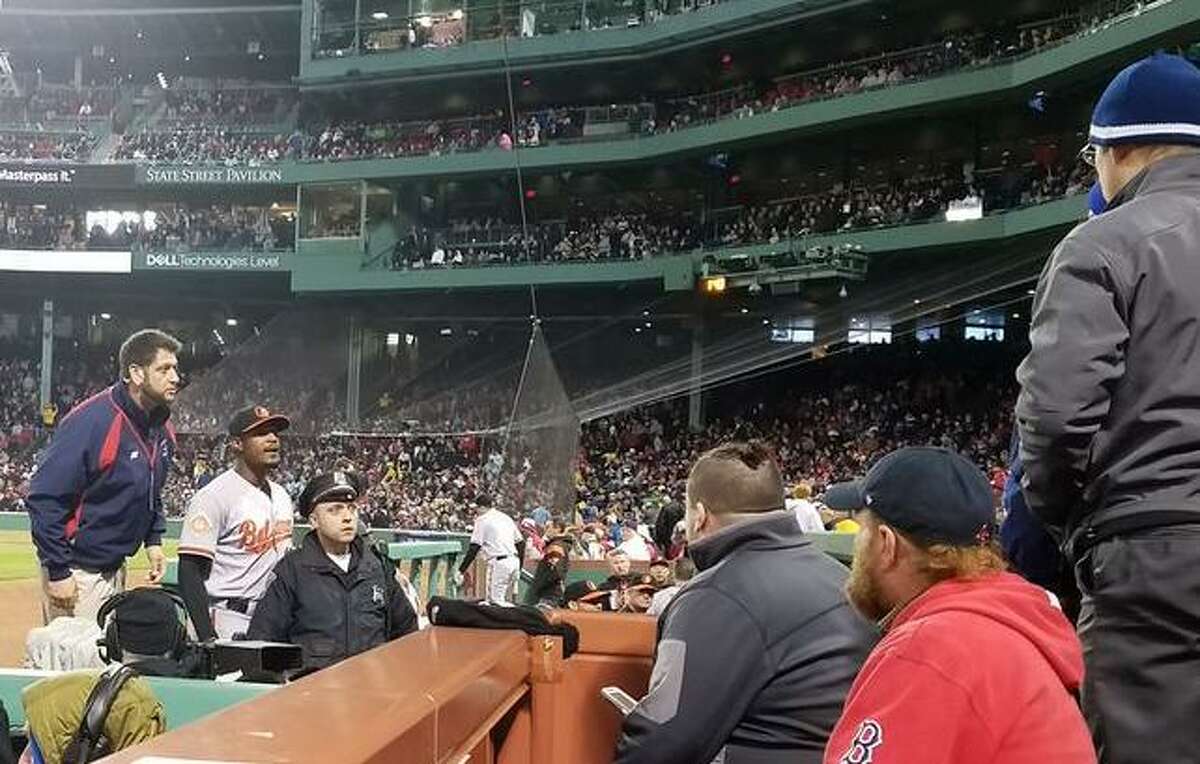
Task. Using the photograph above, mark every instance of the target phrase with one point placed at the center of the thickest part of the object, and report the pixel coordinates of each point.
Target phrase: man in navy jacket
(97, 493)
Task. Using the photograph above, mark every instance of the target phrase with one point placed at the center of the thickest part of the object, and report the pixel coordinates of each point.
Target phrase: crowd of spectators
(56, 104)
(391, 140)
(826, 423)
(195, 107)
(174, 229)
(204, 144)
(637, 235)
(71, 146)
(342, 139)
(229, 125)
(24, 426)
(598, 236)
(432, 31)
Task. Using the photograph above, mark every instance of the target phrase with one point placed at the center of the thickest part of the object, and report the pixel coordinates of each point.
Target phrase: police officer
(336, 595)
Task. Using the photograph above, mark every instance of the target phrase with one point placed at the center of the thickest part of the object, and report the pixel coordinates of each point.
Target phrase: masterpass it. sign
(211, 261)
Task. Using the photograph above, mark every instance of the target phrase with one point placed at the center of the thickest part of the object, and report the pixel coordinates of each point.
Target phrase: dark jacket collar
(773, 530)
(142, 420)
(1173, 172)
(312, 554)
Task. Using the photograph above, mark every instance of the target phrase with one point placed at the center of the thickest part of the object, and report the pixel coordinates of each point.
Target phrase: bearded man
(975, 664)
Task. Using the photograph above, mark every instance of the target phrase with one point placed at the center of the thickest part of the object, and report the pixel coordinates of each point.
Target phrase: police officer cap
(331, 486)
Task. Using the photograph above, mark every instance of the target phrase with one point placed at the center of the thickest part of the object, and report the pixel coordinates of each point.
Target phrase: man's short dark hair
(737, 477)
(141, 347)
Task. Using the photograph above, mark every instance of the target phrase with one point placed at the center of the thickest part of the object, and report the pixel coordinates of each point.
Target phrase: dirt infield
(20, 611)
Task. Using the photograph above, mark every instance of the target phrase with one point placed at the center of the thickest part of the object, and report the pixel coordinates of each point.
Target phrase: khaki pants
(92, 589)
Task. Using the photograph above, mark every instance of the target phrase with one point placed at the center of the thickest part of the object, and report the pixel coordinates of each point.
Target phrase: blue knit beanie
(1156, 100)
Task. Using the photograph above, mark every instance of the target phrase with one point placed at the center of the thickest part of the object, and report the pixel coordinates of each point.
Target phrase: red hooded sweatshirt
(978, 671)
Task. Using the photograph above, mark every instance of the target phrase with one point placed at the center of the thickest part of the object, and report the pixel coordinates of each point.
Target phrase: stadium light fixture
(231, 322)
(393, 339)
(649, 325)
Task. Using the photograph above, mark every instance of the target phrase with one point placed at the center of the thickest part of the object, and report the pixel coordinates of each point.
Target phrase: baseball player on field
(503, 546)
(237, 527)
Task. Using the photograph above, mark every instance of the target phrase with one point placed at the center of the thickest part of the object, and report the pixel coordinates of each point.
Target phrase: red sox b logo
(867, 738)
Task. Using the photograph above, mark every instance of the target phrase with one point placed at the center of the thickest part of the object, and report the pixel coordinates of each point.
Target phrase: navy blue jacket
(1026, 542)
(97, 493)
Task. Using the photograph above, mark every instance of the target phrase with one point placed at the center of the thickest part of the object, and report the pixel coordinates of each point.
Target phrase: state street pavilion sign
(174, 175)
(257, 262)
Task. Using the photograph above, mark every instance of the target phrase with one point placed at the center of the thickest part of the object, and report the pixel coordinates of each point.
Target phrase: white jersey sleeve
(201, 526)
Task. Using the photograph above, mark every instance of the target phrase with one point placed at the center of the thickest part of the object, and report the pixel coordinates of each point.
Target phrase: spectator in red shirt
(975, 664)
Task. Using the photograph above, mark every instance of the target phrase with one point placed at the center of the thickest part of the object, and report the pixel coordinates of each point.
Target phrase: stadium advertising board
(170, 175)
(60, 175)
(258, 262)
(49, 261)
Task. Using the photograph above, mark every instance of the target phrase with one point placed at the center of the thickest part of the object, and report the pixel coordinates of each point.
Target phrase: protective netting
(905, 297)
(296, 364)
(536, 466)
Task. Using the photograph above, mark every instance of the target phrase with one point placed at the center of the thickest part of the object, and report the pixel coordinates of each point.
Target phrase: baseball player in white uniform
(498, 537)
(237, 527)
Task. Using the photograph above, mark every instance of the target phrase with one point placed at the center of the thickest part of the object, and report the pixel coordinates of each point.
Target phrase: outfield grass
(18, 560)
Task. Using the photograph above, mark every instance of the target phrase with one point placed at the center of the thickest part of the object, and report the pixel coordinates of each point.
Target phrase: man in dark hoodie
(756, 653)
(976, 664)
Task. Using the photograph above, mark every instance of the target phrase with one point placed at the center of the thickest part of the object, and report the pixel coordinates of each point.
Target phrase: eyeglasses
(1087, 155)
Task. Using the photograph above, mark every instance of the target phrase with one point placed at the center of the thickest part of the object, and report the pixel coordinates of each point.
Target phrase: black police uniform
(332, 614)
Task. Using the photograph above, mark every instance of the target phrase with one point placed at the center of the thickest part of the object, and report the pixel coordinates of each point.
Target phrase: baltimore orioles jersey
(243, 531)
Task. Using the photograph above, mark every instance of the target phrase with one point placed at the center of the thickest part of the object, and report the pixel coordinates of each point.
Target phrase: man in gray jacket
(756, 654)
(1109, 414)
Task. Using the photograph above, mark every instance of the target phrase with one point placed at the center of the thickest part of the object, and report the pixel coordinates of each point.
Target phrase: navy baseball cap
(933, 494)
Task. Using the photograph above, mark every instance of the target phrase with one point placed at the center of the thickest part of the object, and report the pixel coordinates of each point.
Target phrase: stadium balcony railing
(468, 39)
(325, 265)
(1077, 56)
